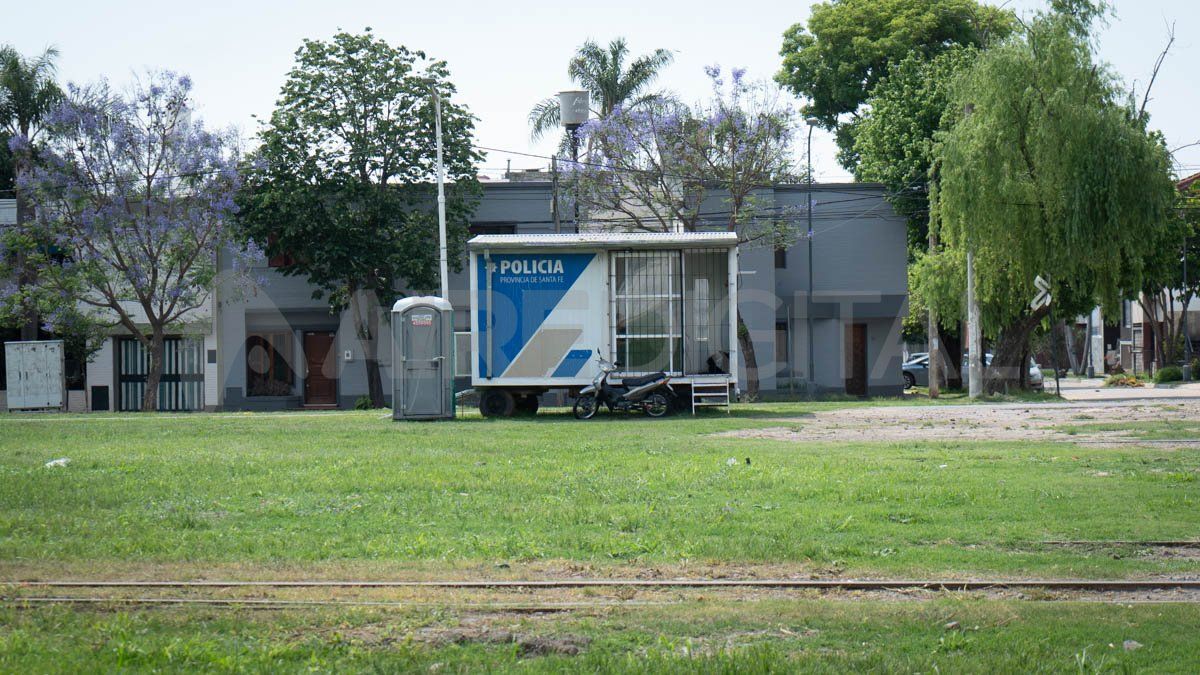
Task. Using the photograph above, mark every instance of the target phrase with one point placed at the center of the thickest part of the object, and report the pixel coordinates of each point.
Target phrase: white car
(1037, 381)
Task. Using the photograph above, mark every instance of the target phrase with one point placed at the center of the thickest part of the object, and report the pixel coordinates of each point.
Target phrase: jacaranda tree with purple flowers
(664, 166)
(134, 197)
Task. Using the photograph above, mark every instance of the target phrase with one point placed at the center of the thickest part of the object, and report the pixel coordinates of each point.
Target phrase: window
(781, 258)
(648, 304)
(492, 228)
(269, 364)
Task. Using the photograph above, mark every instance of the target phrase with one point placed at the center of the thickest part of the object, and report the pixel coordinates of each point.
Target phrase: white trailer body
(544, 304)
(36, 377)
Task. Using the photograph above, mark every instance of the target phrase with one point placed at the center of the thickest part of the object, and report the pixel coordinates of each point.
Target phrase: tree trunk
(154, 373)
(1150, 305)
(952, 358)
(746, 345)
(1010, 347)
(364, 328)
(1069, 340)
(1025, 371)
(26, 274)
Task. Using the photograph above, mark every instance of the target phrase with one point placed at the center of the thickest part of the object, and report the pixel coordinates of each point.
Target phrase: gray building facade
(277, 347)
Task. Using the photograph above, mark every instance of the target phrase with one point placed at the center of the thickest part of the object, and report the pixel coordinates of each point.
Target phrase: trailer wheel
(497, 403)
(527, 404)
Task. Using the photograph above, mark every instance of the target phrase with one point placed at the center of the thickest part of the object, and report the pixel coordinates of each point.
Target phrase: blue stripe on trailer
(572, 363)
(526, 287)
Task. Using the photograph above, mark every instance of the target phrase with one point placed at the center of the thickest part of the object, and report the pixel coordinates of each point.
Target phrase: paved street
(1093, 389)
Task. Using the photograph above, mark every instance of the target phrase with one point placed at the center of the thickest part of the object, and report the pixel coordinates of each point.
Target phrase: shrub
(363, 403)
(1168, 374)
(1122, 380)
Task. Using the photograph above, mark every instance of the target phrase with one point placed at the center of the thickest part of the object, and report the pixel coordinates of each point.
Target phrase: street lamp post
(574, 110)
(441, 190)
(812, 382)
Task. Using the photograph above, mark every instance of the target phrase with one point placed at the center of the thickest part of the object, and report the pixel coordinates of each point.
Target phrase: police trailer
(544, 306)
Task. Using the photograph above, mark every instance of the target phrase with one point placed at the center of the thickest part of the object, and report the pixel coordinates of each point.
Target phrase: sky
(506, 56)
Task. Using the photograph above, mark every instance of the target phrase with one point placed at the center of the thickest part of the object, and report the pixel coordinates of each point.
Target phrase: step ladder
(710, 394)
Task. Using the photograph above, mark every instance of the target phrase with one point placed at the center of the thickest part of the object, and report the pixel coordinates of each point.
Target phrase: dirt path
(1002, 422)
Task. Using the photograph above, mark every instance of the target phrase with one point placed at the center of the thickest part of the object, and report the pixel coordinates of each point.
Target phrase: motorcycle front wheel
(656, 405)
(585, 407)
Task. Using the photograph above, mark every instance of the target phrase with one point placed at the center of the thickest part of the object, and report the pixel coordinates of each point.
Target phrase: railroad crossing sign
(1042, 299)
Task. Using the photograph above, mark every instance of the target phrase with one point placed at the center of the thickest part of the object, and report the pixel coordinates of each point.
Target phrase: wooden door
(856, 359)
(320, 384)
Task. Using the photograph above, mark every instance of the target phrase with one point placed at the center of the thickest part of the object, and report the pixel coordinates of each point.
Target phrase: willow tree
(1050, 171)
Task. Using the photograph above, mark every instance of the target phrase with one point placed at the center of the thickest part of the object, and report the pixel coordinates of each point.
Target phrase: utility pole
(975, 342)
(1053, 350)
(811, 385)
(974, 332)
(554, 191)
(935, 347)
(1187, 338)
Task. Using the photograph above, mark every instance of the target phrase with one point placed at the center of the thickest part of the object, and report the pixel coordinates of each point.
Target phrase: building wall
(859, 251)
(100, 373)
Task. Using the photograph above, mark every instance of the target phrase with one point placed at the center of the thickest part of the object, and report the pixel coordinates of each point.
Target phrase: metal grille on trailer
(670, 313)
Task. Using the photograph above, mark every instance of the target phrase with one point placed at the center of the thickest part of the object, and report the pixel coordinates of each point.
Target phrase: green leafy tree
(1021, 184)
(28, 94)
(609, 77)
(848, 45)
(343, 183)
(1165, 291)
(894, 142)
(894, 137)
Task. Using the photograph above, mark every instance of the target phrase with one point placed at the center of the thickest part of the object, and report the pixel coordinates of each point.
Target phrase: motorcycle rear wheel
(585, 407)
(656, 405)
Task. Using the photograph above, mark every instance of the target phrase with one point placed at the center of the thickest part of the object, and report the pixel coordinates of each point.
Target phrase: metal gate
(182, 383)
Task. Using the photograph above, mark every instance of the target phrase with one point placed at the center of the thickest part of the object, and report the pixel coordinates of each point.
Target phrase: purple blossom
(163, 222)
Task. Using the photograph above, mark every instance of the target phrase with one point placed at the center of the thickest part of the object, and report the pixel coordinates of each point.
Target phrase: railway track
(799, 584)
(563, 595)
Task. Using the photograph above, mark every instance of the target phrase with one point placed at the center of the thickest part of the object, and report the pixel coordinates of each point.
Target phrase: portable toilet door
(422, 363)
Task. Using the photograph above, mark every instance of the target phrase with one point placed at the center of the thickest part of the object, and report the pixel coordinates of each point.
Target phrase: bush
(1121, 380)
(363, 403)
(1168, 374)
(1195, 366)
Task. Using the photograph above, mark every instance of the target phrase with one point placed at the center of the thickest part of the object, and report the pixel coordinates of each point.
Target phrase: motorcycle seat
(644, 379)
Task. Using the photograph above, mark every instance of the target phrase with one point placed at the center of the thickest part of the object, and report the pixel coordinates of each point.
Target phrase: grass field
(345, 495)
(703, 637)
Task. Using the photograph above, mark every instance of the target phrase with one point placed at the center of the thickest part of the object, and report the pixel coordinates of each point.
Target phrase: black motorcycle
(651, 393)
